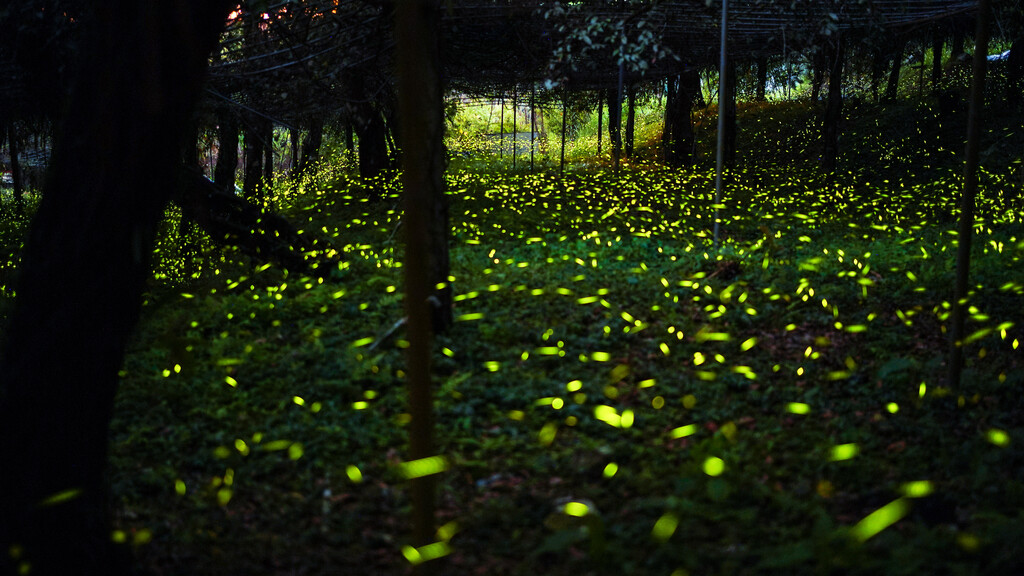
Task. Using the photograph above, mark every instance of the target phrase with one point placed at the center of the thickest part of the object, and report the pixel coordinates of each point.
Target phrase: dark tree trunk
(267, 128)
(311, 145)
(668, 125)
(877, 70)
(515, 127)
(227, 152)
(818, 77)
(630, 120)
(253, 169)
(762, 78)
(730, 112)
(614, 122)
(679, 123)
(892, 87)
(16, 175)
(561, 162)
(600, 115)
(834, 108)
(1015, 72)
(373, 150)
(350, 141)
(293, 142)
(394, 151)
(84, 269)
(956, 46)
(937, 43)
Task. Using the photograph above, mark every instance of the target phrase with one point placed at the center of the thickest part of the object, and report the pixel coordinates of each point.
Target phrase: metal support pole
(720, 156)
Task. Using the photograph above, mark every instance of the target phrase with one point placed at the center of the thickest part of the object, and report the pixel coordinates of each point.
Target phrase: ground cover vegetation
(617, 395)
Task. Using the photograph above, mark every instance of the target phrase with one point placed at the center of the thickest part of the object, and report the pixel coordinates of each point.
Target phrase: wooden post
(965, 230)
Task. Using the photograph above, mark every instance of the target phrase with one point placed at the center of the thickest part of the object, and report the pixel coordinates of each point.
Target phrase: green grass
(741, 410)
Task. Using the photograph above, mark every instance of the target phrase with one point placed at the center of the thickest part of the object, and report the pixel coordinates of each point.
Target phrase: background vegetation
(616, 396)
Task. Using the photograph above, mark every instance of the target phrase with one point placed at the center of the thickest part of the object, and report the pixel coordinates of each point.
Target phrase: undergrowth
(617, 395)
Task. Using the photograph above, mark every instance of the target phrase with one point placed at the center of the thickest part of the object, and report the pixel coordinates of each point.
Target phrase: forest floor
(617, 396)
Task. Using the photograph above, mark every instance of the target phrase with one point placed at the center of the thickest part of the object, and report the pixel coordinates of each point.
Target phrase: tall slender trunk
(937, 43)
(267, 128)
(253, 164)
(818, 78)
(614, 123)
(426, 245)
(956, 45)
(311, 145)
(730, 112)
(630, 120)
(834, 107)
(373, 151)
(892, 87)
(667, 132)
(762, 78)
(350, 142)
(965, 229)
(877, 70)
(227, 151)
(293, 143)
(17, 177)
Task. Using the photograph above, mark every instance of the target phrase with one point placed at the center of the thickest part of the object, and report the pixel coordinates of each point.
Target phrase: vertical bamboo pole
(720, 155)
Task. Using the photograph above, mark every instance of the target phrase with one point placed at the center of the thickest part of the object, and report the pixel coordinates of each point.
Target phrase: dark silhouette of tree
(114, 169)
(227, 150)
(833, 107)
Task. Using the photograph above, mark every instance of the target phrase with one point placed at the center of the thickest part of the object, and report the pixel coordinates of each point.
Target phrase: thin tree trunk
(350, 142)
(937, 43)
(877, 70)
(762, 78)
(892, 87)
(82, 278)
(17, 177)
(227, 152)
(561, 164)
(818, 77)
(956, 46)
(426, 249)
(617, 139)
(600, 114)
(834, 108)
(730, 113)
(253, 164)
(515, 127)
(533, 123)
(268, 153)
(614, 123)
(311, 145)
(293, 143)
(667, 132)
(965, 230)
(630, 120)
